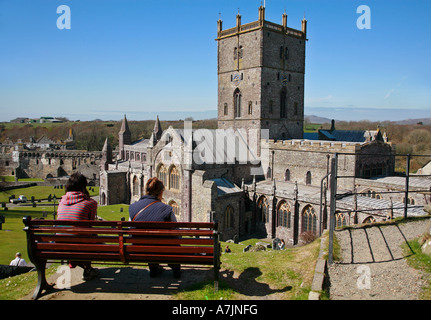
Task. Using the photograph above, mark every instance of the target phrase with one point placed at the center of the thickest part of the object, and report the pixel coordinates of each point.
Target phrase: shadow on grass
(246, 284)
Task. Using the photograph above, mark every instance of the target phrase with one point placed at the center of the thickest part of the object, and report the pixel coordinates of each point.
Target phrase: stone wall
(113, 187)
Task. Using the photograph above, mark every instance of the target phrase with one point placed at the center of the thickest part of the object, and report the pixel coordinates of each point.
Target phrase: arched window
(340, 219)
(309, 220)
(174, 178)
(281, 52)
(283, 103)
(287, 175)
(268, 172)
(263, 211)
(175, 209)
(250, 107)
(410, 200)
(228, 217)
(225, 110)
(369, 219)
(284, 215)
(135, 186)
(237, 103)
(308, 178)
(240, 52)
(162, 175)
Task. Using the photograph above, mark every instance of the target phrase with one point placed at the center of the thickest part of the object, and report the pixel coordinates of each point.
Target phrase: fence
(334, 195)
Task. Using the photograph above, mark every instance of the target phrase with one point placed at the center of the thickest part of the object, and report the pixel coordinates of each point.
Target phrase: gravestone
(235, 238)
(246, 249)
(426, 247)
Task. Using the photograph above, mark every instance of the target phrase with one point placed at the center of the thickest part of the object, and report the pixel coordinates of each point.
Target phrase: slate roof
(345, 135)
(225, 186)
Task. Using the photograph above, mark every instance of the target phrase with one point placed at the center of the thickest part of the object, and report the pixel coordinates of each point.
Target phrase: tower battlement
(261, 23)
(312, 145)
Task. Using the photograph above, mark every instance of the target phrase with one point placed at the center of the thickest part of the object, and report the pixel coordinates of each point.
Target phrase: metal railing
(334, 196)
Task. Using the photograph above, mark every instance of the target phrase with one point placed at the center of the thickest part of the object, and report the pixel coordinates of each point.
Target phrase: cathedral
(259, 171)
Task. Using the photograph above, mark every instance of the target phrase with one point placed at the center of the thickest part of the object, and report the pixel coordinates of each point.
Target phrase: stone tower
(261, 67)
(124, 138)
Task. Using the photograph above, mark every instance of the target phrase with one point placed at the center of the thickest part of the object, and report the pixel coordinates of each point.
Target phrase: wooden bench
(185, 243)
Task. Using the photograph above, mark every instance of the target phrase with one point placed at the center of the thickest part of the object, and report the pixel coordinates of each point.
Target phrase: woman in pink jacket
(76, 204)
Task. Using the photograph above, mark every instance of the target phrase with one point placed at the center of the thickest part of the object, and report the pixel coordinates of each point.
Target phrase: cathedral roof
(344, 135)
(225, 186)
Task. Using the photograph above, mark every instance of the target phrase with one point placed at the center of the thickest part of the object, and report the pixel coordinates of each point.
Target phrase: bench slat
(75, 239)
(54, 247)
(167, 249)
(135, 257)
(137, 232)
(130, 240)
(103, 248)
(168, 241)
(192, 259)
(140, 224)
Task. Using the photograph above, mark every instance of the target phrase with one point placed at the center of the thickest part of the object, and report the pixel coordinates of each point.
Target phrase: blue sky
(148, 57)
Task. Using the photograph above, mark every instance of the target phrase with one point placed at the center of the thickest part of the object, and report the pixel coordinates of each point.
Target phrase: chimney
(332, 125)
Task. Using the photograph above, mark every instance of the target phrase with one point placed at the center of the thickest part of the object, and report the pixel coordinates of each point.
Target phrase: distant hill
(414, 121)
(322, 120)
(316, 119)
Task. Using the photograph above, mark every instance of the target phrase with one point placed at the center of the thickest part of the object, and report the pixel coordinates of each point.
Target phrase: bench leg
(41, 281)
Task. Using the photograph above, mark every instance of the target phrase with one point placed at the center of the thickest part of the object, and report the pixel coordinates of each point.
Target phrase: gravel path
(373, 264)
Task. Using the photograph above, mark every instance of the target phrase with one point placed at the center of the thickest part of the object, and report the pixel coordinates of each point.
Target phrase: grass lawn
(12, 179)
(113, 212)
(310, 127)
(419, 261)
(12, 236)
(286, 274)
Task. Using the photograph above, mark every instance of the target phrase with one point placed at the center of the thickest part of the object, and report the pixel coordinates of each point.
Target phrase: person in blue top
(151, 208)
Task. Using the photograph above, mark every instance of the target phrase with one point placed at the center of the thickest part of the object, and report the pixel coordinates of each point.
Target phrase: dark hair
(154, 187)
(76, 182)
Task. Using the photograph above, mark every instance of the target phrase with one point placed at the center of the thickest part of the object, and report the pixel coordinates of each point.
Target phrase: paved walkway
(122, 283)
(373, 264)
